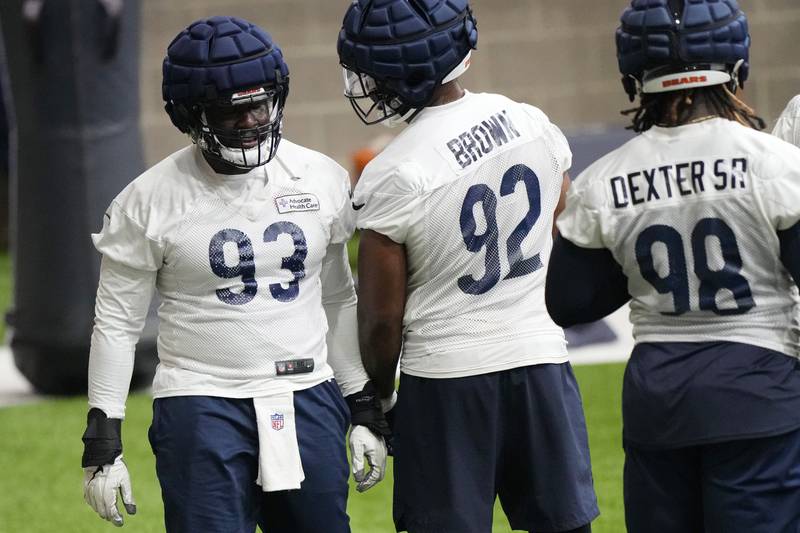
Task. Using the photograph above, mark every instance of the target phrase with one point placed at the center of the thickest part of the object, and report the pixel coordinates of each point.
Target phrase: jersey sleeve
(560, 146)
(788, 125)
(125, 241)
(123, 299)
(344, 220)
(554, 136)
(385, 201)
(779, 174)
(580, 222)
(339, 302)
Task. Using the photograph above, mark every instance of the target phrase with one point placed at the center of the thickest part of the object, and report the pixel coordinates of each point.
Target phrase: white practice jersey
(237, 261)
(470, 188)
(691, 215)
(788, 125)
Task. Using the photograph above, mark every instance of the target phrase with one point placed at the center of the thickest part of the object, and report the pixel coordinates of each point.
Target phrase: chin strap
(102, 440)
(735, 84)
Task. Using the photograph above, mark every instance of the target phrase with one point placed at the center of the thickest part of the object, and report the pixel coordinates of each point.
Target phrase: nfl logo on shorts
(277, 421)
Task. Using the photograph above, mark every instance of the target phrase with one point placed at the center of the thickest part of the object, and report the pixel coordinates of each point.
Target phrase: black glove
(365, 410)
(102, 440)
(389, 416)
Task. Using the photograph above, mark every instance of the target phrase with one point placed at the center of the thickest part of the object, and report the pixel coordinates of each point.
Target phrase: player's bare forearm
(380, 351)
(382, 279)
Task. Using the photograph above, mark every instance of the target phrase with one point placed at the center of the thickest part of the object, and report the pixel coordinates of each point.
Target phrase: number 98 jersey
(238, 261)
(691, 214)
(470, 188)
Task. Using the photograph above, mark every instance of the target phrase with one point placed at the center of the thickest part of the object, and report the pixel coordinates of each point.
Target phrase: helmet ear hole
(178, 115)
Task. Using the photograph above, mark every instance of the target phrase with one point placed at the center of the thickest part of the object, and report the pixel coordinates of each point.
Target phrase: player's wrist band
(102, 440)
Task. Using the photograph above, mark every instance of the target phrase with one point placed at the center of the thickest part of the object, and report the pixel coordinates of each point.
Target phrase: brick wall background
(556, 54)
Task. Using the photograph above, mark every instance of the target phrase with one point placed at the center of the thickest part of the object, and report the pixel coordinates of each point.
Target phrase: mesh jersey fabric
(470, 188)
(691, 214)
(788, 125)
(238, 261)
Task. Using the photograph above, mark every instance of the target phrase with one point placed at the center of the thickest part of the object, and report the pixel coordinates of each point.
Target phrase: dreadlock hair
(676, 107)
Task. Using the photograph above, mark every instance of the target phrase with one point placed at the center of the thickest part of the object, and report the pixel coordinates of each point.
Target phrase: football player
(788, 125)
(695, 221)
(456, 216)
(242, 234)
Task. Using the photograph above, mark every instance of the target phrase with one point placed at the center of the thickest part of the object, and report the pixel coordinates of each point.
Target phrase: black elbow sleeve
(556, 308)
(790, 251)
(583, 285)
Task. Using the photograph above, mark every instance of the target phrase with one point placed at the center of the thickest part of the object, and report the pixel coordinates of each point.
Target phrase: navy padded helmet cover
(710, 31)
(410, 44)
(218, 56)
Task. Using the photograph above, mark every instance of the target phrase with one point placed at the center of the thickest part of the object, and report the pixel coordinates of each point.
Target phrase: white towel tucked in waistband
(279, 466)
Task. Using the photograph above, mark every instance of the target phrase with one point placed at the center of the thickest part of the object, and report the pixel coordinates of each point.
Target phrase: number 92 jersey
(238, 261)
(691, 214)
(470, 188)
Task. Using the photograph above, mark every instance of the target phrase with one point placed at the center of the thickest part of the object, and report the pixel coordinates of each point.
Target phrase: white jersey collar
(444, 108)
(685, 130)
(214, 177)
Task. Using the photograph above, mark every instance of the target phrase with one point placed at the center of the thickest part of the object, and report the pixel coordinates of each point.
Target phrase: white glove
(100, 486)
(364, 442)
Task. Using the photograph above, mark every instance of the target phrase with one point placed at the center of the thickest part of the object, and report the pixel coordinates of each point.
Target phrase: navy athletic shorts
(206, 452)
(519, 434)
(740, 486)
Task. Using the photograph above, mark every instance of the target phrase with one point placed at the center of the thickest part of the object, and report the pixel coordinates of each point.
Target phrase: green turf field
(40, 475)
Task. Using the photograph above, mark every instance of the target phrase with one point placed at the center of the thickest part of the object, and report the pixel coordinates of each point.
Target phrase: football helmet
(220, 68)
(669, 45)
(396, 52)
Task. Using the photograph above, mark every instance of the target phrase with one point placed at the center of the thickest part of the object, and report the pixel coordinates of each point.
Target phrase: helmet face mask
(372, 103)
(218, 131)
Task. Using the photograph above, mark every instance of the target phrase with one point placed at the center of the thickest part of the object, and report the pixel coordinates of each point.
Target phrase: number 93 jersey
(470, 188)
(238, 261)
(691, 214)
